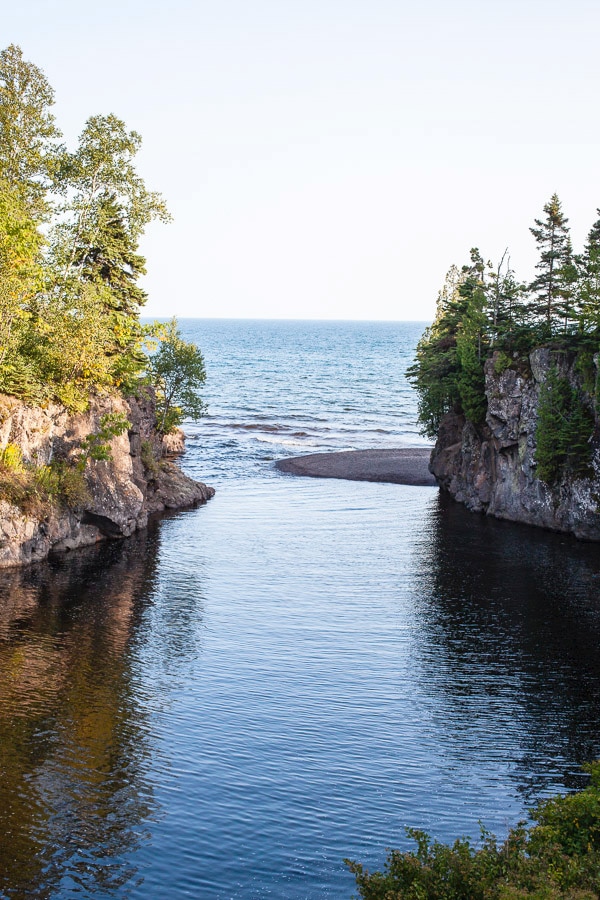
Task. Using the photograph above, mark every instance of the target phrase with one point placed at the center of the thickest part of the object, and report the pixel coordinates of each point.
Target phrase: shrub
(149, 461)
(502, 362)
(37, 490)
(556, 858)
(11, 458)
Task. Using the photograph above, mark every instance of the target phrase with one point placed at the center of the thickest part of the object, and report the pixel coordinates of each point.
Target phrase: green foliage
(149, 461)
(588, 286)
(558, 856)
(70, 223)
(548, 289)
(72, 490)
(28, 134)
(37, 490)
(11, 458)
(448, 370)
(563, 432)
(585, 368)
(502, 362)
(434, 373)
(483, 310)
(177, 372)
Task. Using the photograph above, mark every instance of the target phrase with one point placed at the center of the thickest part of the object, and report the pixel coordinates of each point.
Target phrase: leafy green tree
(552, 237)
(101, 185)
(69, 293)
(105, 210)
(177, 372)
(28, 135)
(20, 270)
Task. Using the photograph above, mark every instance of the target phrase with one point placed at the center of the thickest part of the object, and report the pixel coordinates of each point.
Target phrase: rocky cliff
(492, 469)
(118, 494)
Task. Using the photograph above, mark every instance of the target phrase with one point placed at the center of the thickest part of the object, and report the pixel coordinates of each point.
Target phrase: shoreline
(397, 466)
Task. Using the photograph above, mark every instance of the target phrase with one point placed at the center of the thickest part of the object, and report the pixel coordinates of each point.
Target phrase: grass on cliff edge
(37, 490)
(558, 856)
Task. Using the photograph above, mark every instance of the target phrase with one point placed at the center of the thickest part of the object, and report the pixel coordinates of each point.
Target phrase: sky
(332, 158)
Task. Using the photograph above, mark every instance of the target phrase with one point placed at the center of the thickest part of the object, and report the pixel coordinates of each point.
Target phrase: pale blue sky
(332, 159)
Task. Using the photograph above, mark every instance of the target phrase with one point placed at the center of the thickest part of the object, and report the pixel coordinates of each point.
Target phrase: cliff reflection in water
(73, 752)
(510, 616)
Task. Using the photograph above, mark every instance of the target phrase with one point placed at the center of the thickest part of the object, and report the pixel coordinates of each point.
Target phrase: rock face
(121, 492)
(492, 469)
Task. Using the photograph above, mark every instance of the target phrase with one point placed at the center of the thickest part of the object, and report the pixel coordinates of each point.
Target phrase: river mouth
(228, 704)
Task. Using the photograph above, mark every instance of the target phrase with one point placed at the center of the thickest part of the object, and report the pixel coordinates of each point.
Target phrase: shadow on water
(510, 617)
(73, 747)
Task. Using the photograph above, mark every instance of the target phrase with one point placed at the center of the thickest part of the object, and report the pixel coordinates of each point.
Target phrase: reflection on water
(229, 704)
(511, 615)
(74, 792)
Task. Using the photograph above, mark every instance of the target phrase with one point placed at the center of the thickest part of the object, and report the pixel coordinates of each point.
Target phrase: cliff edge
(116, 495)
(492, 469)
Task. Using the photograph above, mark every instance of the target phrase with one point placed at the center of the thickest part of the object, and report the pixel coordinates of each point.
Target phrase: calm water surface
(228, 704)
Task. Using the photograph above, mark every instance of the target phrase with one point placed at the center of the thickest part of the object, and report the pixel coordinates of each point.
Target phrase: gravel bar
(405, 466)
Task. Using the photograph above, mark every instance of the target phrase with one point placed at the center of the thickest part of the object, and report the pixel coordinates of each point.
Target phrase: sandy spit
(406, 466)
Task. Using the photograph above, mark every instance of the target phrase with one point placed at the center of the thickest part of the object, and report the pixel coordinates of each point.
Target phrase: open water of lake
(228, 704)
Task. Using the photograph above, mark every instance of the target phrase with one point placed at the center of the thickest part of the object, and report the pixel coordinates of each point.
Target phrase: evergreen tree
(435, 370)
(107, 254)
(563, 431)
(552, 237)
(589, 282)
(472, 340)
(448, 370)
(568, 290)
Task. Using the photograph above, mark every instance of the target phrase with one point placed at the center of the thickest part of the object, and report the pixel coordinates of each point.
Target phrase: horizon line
(276, 319)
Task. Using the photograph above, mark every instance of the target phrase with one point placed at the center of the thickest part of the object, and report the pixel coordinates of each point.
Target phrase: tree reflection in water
(511, 616)
(73, 748)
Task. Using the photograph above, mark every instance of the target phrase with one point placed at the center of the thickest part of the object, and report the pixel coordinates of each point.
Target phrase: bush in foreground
(558, 856)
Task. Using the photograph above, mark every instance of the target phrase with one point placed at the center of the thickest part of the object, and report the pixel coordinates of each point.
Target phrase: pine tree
(107, 253)
(435, 370)
(552, 237)
(589, 282)
(507, 307)
(568, 280)
(472, 340)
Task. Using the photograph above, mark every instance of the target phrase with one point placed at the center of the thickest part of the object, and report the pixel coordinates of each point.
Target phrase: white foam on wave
(284, 442)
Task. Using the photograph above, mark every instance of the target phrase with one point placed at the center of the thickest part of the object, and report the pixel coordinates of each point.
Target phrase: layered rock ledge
(121, 492)
(402, 466)
(492, 469)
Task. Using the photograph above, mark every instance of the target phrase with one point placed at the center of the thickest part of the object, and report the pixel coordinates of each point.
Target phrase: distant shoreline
(401, 466)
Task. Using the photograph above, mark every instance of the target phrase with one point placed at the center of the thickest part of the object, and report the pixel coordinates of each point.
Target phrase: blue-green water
(228, 704)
